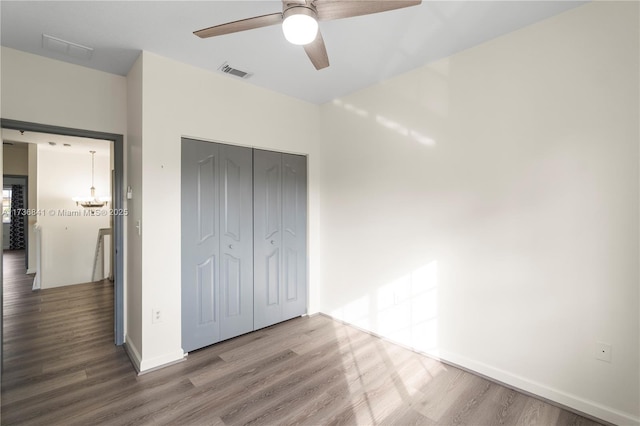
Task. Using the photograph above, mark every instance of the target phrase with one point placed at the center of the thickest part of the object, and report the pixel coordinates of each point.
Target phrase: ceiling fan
(299, 19)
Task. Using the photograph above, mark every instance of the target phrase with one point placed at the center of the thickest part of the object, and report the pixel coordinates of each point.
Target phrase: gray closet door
(294, 236)
(236, 241)
(280, 288)
(217, 258)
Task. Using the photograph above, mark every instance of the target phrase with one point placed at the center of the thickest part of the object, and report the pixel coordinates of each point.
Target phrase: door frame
(117, 196)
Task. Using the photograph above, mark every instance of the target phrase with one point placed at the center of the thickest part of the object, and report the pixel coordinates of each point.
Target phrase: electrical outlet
(156, 316)
(603, 351)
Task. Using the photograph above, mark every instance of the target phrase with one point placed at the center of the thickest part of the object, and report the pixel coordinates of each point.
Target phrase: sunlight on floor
(405, 311)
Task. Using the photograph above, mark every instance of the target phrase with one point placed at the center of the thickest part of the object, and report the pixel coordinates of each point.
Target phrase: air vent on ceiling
(225, 68)
(65, 47)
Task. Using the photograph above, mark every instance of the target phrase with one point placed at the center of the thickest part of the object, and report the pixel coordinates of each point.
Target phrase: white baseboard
(572, 402)
(133, 353)
(36, 283)
(554, 396)
(144, 366)
(165, 360)
(31, 271)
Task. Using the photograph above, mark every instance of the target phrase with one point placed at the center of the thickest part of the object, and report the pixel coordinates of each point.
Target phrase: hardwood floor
(60, 367)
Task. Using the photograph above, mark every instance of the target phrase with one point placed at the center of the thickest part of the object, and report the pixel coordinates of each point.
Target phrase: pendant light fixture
(92, 202)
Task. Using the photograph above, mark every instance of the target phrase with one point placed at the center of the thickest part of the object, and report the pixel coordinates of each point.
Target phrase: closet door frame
(231, 254)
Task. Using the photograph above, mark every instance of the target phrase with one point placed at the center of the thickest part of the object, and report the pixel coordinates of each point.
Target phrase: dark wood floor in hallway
(60, 367)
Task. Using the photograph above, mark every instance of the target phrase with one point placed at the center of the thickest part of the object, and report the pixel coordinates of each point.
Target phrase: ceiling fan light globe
(300, 29)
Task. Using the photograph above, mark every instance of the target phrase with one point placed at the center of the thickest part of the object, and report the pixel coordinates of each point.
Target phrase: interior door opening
(115, 180)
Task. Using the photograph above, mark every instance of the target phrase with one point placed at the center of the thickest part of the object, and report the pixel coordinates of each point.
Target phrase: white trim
(132, 353)
(160, 361)
(151, 370)
(143, 366)
(37, 280)
(574, 402)
(537, 390)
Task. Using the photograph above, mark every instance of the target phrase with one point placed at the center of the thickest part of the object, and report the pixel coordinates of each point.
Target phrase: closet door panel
(294, 236)
(200, 244)
(267, 205)
(280, 242)
(236, 216)
(273, 278)
(206, 293)
(272, 211)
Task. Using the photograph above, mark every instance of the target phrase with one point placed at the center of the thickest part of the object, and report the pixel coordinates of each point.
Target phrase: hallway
(42, 350)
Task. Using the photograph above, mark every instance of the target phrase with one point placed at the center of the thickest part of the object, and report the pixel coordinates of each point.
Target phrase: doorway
(117, 142)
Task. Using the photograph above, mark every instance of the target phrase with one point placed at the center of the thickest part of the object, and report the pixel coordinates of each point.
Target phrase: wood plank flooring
(60, 367)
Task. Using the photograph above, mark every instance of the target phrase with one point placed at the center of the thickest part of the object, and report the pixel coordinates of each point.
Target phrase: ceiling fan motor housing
(298, 9)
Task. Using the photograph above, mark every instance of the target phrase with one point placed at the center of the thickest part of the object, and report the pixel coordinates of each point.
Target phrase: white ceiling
(362, 50)
(76, 144)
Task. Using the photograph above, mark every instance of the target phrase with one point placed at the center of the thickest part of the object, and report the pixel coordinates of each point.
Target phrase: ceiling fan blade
(338, 9)
(241, 25)
(317, 52)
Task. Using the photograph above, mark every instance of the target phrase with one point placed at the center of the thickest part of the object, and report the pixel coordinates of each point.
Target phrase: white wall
(47, 91)
(484, 208)
(179, 100)
(69, 242)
